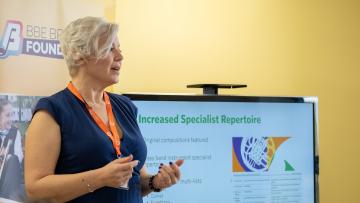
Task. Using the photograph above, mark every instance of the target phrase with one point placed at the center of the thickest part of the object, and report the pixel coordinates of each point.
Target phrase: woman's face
(5, 117)
(107, 69)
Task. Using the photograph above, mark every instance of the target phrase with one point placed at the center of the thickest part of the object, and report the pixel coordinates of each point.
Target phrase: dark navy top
(84, 146)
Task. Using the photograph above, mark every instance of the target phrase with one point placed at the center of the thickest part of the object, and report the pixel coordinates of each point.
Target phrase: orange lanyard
(112, 133)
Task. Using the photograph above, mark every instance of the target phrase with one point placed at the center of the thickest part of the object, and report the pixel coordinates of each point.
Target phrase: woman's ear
(81, 61)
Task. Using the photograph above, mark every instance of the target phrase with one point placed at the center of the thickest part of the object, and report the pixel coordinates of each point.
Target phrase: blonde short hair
(84, 38)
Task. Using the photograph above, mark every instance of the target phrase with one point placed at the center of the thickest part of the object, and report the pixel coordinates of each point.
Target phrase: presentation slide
(234, 151)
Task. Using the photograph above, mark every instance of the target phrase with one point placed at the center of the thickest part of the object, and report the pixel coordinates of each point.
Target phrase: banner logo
(39, 41)
(255, 154)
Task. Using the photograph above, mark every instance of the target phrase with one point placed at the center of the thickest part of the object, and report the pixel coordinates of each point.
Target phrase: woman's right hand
(119, 171)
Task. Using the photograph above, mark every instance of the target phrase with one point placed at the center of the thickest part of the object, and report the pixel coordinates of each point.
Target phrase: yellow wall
(277, 47)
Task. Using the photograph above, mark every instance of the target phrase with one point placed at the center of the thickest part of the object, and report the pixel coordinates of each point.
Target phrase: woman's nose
(118, 55)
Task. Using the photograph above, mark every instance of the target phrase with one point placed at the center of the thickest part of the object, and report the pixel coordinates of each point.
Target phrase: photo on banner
(15, 116)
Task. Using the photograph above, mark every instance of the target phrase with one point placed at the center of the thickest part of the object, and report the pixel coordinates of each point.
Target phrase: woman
(84, 144)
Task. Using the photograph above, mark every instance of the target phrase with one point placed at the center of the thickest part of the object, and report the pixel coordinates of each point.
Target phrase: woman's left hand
(168, 175)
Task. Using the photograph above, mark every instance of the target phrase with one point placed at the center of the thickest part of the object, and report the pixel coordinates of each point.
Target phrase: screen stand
(212, 89)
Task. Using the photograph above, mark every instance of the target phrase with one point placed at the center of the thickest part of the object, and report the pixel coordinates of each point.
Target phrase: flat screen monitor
(236, 148)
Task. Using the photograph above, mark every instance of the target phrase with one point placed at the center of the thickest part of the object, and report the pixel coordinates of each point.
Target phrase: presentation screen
(236, 149)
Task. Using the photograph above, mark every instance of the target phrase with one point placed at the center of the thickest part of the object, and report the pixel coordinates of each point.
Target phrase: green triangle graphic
(288, 167)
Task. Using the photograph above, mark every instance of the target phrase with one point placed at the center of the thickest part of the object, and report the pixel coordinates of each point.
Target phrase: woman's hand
(168, 175)
(118, 172)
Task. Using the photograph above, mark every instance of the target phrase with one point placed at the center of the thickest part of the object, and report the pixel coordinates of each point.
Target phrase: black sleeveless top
(84, 146)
